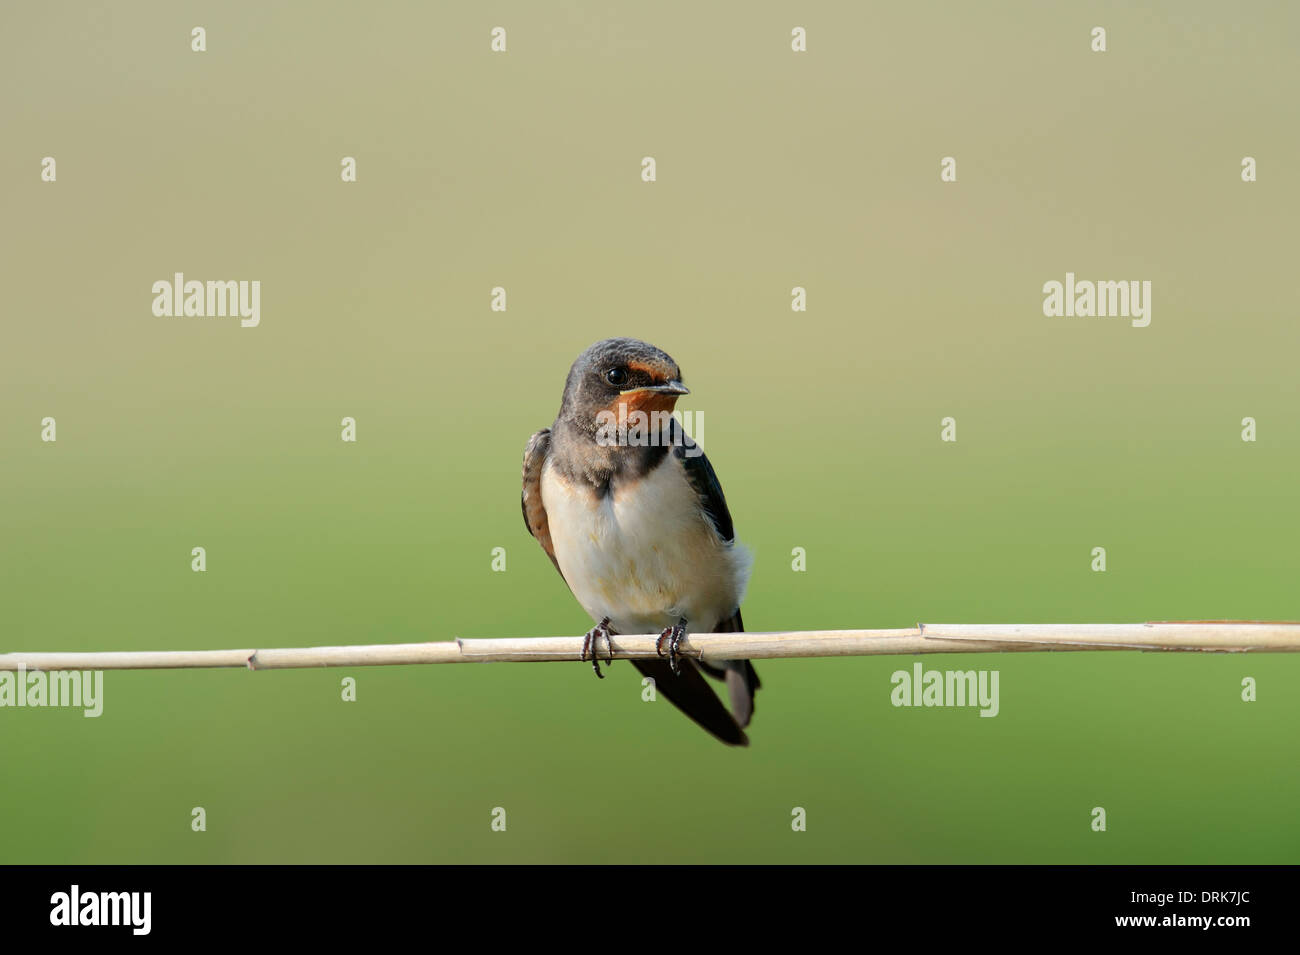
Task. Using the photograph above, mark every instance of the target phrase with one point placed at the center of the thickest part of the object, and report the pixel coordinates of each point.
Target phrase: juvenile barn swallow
(635, 522)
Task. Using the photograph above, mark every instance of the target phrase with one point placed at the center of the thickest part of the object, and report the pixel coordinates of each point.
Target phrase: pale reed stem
(1206, 636)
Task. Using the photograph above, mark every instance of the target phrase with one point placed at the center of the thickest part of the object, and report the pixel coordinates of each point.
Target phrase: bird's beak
(673, 387)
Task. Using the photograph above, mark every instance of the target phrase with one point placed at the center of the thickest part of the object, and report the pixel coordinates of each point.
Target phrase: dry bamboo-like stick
(1208, 636)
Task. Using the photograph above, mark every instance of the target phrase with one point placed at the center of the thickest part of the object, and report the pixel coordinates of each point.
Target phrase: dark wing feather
(705, 482)
(691, 694)
(539, 447)
(740, 676)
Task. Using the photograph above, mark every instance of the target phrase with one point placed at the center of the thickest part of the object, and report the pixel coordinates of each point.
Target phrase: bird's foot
(673, 635)
(590, 645)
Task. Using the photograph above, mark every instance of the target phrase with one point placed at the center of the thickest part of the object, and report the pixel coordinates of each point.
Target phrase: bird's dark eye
(616, 376)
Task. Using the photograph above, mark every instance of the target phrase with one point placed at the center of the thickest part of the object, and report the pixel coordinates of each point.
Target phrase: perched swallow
(633, 517)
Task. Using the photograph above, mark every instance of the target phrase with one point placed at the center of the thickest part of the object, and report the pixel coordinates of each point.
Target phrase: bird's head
(620, 376)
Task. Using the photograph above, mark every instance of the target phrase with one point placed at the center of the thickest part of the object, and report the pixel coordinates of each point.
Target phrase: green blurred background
(522, 170)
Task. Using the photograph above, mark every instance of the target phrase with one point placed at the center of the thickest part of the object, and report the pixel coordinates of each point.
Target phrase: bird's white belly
(645, 555)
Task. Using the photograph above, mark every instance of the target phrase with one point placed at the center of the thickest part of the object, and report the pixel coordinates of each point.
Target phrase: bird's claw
(673, 635)
(590, 645)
